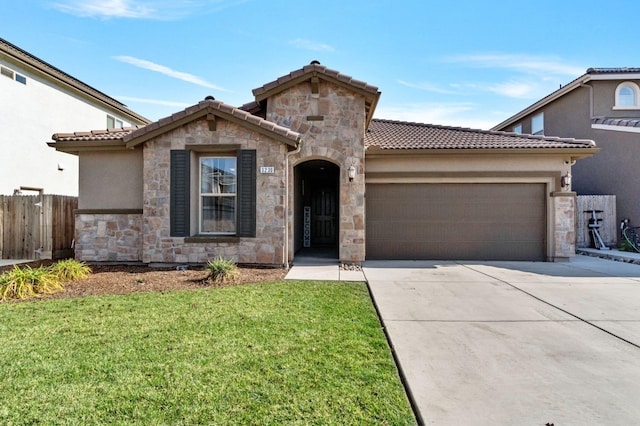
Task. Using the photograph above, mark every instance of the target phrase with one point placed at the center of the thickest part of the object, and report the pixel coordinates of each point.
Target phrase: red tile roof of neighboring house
(389, 134)
(94, 135)
(620, 122)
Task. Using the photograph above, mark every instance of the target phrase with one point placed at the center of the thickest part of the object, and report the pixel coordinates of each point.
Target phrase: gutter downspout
(285, 248)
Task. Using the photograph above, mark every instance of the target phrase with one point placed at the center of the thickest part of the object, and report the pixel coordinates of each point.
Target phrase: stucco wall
(29, 114)
(332, 127)
(110, 180)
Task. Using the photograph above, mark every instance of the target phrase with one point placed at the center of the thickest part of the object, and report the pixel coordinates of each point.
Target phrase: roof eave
(75, 147)
(575, 153)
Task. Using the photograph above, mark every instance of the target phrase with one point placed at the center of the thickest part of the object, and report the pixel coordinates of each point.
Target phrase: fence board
(34, 226)
(609, 224)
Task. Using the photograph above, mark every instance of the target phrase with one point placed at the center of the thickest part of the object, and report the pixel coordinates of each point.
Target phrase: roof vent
(209, 98)
(315, 62)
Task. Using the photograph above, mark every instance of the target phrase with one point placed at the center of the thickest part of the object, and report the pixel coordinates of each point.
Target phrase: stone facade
(564, 244)
(268, 247)
(108, 237)
(332, 124)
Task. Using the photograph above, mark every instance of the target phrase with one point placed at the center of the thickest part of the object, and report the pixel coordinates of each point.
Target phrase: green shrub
(70, 270)
(222, 271)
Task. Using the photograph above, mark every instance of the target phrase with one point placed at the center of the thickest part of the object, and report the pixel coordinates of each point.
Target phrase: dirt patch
(126, 279)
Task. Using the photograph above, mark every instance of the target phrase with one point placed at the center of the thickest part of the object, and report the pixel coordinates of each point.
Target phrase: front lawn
(295, 352)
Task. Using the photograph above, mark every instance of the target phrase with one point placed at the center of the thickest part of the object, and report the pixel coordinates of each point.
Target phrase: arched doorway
(317, 213)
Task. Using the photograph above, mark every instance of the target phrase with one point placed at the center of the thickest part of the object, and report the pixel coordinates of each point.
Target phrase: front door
(323, 216)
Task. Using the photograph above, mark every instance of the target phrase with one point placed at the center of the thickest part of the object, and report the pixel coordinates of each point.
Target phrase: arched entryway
(317, 212)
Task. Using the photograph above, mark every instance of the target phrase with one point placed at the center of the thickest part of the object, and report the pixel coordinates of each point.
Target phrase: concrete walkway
(488, 343)
(321, 266)
(6, 262)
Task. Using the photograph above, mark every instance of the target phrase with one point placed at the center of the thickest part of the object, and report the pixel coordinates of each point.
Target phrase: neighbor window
(6, 72)
(218, 195)
(537, 124)
(13, 75)
(114, 123)
(627, 96)
(517, 129)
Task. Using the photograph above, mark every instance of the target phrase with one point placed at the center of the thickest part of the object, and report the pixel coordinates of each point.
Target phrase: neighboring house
(36, 100)
(306, 165)
(601, 105)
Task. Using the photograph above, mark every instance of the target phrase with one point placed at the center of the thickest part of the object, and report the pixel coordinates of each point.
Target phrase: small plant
(70, 270)
(222, 271)
(20, 283)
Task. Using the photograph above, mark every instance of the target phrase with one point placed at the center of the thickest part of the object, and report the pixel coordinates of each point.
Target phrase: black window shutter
(179, 203)
(246, 196)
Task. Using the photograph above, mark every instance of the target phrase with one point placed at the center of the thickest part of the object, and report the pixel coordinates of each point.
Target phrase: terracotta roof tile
(389, 134)
(94, 135)
(315, 67)
(622, 122)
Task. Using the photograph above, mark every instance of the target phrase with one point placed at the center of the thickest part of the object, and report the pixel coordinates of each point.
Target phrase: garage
(456, 221)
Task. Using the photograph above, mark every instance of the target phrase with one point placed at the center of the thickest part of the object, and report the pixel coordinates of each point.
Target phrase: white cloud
(457, 114)
(302, 43)
(528, 64)
(138, 9)
(151, 66)
(427, 87)
(154, 101)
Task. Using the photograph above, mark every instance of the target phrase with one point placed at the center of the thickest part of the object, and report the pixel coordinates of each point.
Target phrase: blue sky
(461, 63)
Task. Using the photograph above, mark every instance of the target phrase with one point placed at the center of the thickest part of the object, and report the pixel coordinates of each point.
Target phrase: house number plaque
(267, 170)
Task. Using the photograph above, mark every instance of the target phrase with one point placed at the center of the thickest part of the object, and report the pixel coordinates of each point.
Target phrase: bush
(222, 271)
(70, 270)
(20, 283)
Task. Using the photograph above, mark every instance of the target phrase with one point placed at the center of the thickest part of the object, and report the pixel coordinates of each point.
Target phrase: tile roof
(624, 70)
(620, 122)
(389, 134)
(94, 135)
(318, 68)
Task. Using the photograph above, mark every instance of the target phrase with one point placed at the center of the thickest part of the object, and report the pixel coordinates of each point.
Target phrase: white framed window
(517, 129)
(114, 123)
(627, 96)
(218, 184)
(537, 124)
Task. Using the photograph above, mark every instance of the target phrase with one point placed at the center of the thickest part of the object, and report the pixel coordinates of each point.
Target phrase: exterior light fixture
(565, 181)
(352, 173)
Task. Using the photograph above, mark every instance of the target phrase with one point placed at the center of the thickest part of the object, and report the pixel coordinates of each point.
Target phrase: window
(217, 195)
(537, 124)
(6, 72)
(517, 129)
(218, 198)
(21, 79)
(627, 96)
(114, 123)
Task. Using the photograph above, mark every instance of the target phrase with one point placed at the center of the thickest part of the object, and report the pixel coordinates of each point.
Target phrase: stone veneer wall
(108, 237)
(564, 217)
(337, 137)
(266, 248)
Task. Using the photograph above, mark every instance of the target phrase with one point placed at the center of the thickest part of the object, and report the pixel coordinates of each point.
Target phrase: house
(305, 165)
(601, 105)
(38, 99)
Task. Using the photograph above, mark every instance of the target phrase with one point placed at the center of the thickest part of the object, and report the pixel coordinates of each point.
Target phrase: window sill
(627, 108)
(212, 239)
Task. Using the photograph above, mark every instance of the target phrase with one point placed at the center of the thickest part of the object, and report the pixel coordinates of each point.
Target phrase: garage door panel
(456, 221)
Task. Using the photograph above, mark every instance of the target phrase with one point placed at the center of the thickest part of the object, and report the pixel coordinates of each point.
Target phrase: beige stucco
(110, 179)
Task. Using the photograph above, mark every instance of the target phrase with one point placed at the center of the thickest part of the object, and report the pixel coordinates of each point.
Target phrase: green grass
(295, 352)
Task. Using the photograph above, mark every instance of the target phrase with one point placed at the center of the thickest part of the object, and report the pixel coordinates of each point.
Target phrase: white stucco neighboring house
(36, 100)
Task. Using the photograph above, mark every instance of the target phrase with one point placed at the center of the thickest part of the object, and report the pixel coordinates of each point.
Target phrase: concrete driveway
(506, 343)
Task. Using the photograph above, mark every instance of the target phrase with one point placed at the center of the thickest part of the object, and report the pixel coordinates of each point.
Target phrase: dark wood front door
(323, 217)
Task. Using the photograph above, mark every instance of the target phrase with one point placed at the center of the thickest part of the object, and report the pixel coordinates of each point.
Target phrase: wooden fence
(37, 226)
(609, 224)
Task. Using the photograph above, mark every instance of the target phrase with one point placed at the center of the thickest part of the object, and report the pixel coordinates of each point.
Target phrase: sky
(463, 63)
